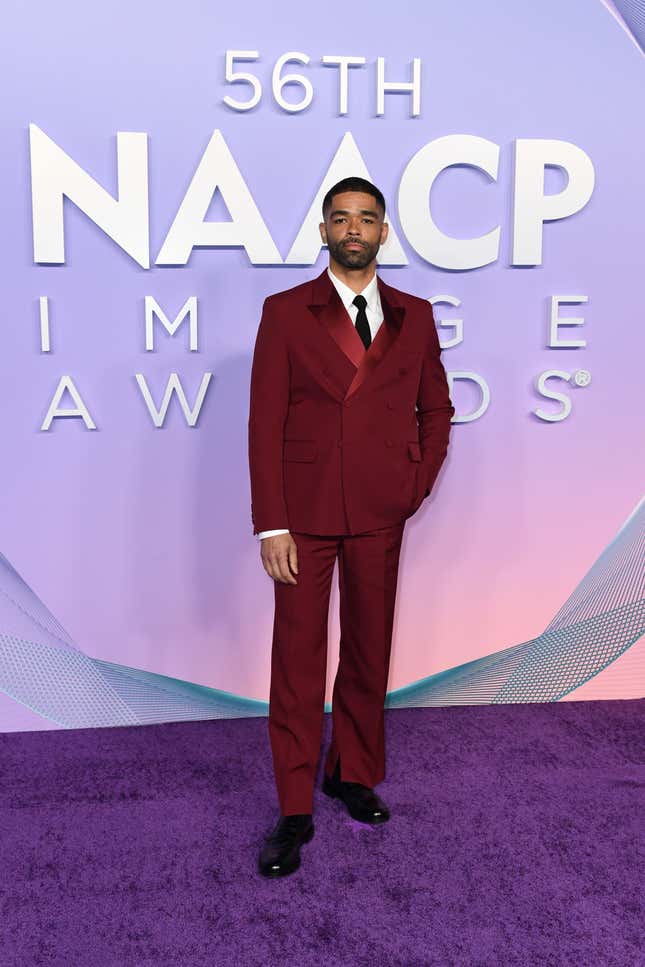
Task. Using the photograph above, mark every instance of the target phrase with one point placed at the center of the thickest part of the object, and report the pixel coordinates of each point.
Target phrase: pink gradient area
(484, 568)
(489, 562)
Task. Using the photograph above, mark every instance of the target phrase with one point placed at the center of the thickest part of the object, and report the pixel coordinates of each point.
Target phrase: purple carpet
(516, 838)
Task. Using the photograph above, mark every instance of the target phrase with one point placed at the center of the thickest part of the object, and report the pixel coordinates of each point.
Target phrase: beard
(353, 259)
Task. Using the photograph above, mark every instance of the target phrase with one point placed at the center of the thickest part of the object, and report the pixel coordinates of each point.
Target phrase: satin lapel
(385, 337)
(328, 307)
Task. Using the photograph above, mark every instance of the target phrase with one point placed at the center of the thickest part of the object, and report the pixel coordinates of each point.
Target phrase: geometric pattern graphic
(42, 667)
(76, 691)
(599, 621)
(632, 14)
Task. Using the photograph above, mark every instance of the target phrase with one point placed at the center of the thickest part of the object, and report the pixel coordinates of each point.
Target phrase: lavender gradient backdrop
(139, 540)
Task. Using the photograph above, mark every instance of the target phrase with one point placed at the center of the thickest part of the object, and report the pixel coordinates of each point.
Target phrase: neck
(356, 279)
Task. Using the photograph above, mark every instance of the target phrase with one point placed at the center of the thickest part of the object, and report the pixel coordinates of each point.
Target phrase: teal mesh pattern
(158, 698)
(603, 616)
(75, 691)
(63, 685)
(43, 668)
(614, 581)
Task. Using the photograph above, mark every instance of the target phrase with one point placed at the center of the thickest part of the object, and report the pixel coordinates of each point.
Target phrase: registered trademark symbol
(582, 377)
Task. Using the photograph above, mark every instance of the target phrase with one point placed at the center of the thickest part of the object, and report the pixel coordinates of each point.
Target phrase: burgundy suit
(344, 445)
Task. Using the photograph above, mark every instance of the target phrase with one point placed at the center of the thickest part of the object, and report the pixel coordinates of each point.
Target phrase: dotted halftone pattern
(41, 666)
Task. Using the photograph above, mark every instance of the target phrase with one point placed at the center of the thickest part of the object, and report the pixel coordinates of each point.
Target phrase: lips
(353, 245)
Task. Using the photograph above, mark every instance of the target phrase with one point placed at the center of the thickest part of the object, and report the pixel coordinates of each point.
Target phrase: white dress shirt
(374, 314)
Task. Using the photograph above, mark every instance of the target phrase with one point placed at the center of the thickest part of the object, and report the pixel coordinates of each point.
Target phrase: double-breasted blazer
(344, 440)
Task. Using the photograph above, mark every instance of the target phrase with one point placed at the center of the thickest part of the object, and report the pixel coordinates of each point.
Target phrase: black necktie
(362, 325)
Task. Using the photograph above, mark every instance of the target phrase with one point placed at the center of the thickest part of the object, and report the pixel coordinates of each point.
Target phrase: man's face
(353, 229)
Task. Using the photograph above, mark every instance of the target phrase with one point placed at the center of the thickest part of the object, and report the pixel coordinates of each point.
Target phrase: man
(349, 423)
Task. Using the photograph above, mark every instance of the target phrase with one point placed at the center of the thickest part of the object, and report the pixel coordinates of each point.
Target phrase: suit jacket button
(390, 405)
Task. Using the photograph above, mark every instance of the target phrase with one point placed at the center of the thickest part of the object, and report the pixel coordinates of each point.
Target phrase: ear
(384, 230)
(323, 232)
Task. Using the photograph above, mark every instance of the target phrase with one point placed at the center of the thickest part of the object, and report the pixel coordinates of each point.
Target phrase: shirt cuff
(264, 534)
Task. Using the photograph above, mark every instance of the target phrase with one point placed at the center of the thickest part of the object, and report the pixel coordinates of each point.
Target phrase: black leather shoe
(280, 854)
(362, 802)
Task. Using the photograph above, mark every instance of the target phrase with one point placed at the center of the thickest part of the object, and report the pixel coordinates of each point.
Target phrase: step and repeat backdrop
(162, 171)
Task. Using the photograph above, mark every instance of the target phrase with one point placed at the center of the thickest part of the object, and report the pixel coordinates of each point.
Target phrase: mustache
(353, 241)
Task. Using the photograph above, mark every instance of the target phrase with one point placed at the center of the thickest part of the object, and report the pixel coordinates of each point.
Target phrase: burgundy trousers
(367, 577)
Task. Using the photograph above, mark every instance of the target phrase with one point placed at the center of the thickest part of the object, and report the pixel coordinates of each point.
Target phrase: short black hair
(353, 184)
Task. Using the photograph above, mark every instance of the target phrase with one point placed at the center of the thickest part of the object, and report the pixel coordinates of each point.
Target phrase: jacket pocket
(414, 451)
(300, 451)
